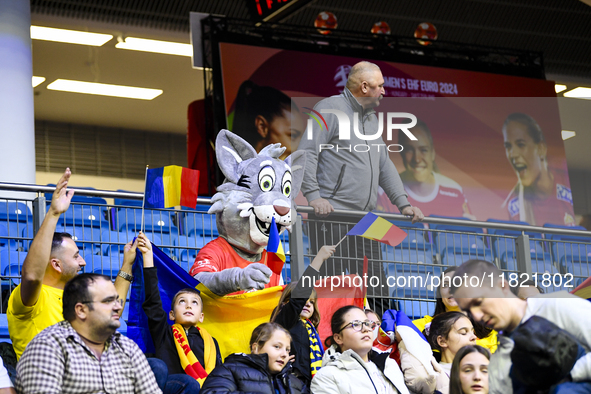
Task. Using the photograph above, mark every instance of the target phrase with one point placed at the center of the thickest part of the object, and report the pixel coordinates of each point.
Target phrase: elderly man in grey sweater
(345, 173)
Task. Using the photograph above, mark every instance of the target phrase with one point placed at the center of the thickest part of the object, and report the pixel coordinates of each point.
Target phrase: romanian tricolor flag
(584, 289)
(171, 186)
(229, 319)
(275, 253)
(372, 226)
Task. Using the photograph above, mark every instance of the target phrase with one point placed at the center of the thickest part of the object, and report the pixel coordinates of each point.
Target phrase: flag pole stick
(144, 201)
(342, 239)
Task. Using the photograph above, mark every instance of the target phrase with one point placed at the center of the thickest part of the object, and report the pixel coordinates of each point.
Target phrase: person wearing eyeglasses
(349, 366)
(84, 353)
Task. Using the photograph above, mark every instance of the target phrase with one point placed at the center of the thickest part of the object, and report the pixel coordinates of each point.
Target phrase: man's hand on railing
(415, 212)
(321, 207)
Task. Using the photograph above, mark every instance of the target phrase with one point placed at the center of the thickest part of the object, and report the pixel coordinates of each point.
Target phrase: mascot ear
(230, 151)
(297, 162)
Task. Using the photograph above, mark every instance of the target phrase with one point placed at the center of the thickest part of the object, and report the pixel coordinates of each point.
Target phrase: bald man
(347, 176)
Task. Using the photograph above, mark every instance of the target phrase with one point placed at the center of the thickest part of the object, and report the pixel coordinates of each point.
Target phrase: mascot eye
(267, 179)
(286, 184)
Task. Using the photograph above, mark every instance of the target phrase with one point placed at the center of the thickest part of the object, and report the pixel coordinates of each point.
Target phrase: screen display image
(488, 145)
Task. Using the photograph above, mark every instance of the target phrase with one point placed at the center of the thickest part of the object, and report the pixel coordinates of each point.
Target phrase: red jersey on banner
(555, 208)
(447, 198)
(219, 255)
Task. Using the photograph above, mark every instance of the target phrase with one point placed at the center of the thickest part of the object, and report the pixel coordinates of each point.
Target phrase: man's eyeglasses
(358, 324)
(111, 301)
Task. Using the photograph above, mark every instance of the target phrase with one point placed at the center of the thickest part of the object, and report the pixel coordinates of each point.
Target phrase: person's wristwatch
(125, 276)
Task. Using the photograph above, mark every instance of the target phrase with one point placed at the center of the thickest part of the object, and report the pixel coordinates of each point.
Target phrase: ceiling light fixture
(582, 93)
(156, 46)
(69, 36)
(566, 134)
(559, 88)
(37, 81)
(103, 89)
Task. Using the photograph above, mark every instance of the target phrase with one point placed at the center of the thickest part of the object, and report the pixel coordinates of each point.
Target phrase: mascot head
(258, 187)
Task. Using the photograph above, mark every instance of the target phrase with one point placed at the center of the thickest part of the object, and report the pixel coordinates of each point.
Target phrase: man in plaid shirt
(84, 353)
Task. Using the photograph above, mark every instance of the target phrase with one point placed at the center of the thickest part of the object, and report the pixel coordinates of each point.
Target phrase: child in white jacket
(349, 366)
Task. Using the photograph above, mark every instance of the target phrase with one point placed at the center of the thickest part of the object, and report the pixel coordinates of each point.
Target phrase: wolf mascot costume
(258, 187)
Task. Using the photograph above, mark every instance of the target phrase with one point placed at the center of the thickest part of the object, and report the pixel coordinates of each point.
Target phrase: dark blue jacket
(247, 373)
(289, 318)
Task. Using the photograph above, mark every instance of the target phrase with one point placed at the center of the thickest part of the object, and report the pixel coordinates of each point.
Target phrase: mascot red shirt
(219, 255)
(258, 188)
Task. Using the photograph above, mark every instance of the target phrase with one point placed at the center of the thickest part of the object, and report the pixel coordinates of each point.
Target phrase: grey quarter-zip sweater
(349, 173)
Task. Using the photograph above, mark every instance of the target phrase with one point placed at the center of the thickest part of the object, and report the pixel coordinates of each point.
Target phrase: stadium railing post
(523, 255)
(39, 210)
(296, 248)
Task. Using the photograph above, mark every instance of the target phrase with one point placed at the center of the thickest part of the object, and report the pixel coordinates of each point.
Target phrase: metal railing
(101, 231)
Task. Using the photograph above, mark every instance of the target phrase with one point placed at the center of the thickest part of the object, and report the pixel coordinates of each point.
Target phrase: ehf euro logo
(341, 75)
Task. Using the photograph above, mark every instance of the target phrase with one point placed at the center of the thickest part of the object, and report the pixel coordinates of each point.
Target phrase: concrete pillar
(17, 117)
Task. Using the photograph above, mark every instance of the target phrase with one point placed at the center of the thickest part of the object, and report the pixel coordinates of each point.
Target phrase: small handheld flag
(372, 226)
(584, 289)
(171, 186)
(275, 253)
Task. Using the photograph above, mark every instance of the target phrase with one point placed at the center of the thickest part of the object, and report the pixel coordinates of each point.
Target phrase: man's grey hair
(359, 73)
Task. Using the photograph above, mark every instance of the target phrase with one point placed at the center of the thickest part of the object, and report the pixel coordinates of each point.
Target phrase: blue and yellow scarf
(316, 349)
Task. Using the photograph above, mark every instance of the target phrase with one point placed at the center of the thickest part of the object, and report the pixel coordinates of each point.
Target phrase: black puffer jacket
(247, 373)
(289, 318)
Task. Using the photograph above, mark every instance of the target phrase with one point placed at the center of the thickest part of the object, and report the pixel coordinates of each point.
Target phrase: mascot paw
(255, 276)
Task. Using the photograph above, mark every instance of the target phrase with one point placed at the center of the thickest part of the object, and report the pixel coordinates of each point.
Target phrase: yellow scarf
(189, 362)
(316, 349)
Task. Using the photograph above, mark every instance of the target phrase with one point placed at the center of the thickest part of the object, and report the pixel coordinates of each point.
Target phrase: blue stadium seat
(127, 202)
(123, 328)
(416, 309)
(8, 257)
(17, 230)
(87, 238)
(4, 335)
(12, 273)
(454, 227)
(510, 232)
(130, 219)
(106, 265)
(191, 244)
(126, 218)
(83, 215)
(14, 216)
(504, 248)
(567, 245)
(542, 262)
(167, 240)
(408, 284)
(88, 199)
(15, 212)
(11, 263)
(461, 246)
(286, 272)
(581, 270)
(508, 257)
(6, 242)
(416, 235)
(406, 255)
(113, 242)
(202, 224)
